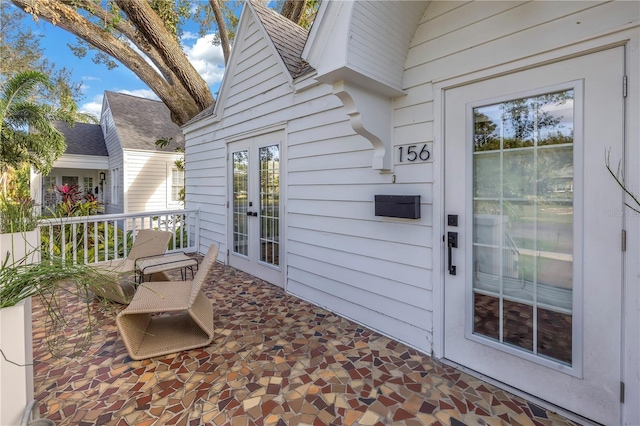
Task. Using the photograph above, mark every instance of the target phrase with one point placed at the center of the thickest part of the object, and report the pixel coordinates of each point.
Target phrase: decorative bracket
(370, 115)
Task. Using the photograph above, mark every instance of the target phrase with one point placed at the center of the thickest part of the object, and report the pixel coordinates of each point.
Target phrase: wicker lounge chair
(169, 317)
(148, 242)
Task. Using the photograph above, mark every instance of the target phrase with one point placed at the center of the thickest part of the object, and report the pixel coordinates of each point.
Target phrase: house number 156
(412, 153)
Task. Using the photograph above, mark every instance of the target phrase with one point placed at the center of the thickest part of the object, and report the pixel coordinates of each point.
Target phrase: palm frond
(27, 134)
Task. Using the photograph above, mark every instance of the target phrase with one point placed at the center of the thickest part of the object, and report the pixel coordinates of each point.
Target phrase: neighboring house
(118, 160)
(436, 172)
(82, 164)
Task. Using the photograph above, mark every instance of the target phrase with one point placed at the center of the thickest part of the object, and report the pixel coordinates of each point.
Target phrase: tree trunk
(293, 10)
(222, 29)
(298, 11)
(287, 9)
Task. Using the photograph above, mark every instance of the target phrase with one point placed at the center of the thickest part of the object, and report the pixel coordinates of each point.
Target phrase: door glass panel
(241, 202)
(269, 204)
(523, 223)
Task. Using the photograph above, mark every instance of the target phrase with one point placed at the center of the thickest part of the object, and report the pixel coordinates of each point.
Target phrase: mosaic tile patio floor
(276, 360)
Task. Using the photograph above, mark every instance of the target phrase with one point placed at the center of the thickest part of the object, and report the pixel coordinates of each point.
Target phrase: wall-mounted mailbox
(404, 206)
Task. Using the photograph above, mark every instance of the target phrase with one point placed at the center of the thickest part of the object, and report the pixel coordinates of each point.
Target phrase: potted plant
(22, 275)
(19, 236)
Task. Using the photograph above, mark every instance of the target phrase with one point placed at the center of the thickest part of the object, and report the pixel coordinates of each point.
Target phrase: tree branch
(222, 29)
(152, 29)
(129, 31)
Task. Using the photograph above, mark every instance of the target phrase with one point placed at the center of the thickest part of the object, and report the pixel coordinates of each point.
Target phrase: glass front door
(255, 219)
(533, 295)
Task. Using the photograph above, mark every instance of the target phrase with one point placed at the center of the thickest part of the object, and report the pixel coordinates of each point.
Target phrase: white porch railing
(90, 239)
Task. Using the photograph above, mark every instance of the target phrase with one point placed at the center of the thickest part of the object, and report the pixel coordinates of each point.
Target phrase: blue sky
(206, 58)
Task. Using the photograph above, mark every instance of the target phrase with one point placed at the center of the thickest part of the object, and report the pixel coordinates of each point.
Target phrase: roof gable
(288, 38)
(140, 122)
(83, 139)
(285, 37)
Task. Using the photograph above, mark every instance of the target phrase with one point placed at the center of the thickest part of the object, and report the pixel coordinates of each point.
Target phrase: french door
(255, 217)
(533, 277)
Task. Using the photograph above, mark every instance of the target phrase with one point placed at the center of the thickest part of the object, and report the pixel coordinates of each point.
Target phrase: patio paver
(276, 360)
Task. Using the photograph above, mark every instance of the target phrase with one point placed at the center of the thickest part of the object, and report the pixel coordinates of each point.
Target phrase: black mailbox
(405, 206)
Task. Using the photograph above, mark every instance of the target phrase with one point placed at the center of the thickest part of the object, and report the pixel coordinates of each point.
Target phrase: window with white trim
(177, 184)
(115, 186)
(174, 185)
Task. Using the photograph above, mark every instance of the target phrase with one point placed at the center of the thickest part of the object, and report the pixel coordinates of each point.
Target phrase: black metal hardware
(452, 220)
(452, 242)
(252, 213)
(403, 206)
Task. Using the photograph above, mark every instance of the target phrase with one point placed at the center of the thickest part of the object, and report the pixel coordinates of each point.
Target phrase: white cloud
(84, 86)
(188, 35)
(140, 93)
(207, 59)
(93, 107)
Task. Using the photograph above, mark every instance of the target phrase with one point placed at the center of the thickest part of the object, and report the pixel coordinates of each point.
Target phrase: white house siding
(456, 38)
(145, 183)
(374, 270)
(378, 271)
(378, 38)
(115, 161)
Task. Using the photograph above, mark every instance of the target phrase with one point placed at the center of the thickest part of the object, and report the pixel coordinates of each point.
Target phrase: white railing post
(197, 229)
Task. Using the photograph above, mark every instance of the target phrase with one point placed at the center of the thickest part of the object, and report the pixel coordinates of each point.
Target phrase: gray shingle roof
(288, 38)
(83, 139)
(141, 122)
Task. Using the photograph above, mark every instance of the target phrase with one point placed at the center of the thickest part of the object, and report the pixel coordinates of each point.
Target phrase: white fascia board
(153, 153)
(358, 78)
(203, 122)
(76, 161)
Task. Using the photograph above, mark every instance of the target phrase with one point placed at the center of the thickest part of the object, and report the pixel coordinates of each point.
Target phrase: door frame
(629, 40)
(280, 132)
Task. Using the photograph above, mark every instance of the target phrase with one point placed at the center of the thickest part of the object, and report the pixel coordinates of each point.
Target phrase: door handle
(452, 242)
(252, 213)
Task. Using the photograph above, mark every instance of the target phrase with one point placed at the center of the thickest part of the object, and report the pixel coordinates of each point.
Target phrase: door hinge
(227, 204)
(622, 392)
(624, 86)
(624, 240)
(227, 253)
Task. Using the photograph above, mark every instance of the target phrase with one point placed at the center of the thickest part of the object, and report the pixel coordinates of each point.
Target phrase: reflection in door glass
(240, 202)
(269, 204)
(523, 224)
